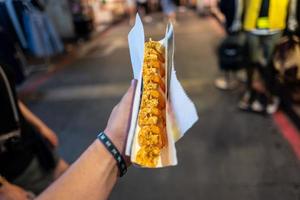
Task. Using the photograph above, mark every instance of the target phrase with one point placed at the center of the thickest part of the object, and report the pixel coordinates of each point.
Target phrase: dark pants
(261, 49)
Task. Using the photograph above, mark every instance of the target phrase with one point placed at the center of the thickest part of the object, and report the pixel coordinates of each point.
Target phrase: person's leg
(171, 11)
(140, 8)
(250, 69)
(152, 5)
(183, 2)
(249, 99)
(227, 81)
(214, 9)
(146, 8)
(172, 17)
(267, 73)
(131, 10)
(255, 51)
(147, 18)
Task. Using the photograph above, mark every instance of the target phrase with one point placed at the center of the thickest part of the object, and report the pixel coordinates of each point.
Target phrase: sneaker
(241, 76)
(273, 105)
(257, 106)
(244, 103)
(223, 83)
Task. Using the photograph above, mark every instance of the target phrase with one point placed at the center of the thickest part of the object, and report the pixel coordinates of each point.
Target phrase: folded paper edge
(137, 32)
(187, 119)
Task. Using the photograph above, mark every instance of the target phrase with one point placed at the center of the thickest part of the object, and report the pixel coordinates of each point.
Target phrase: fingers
(128, 100)
(128, 97)
(125, 105)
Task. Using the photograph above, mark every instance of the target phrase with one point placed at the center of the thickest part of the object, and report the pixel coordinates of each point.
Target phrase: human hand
(50, 135)
(118, 123)
(12, 192)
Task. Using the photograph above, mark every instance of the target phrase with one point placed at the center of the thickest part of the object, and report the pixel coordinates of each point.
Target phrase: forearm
(11, 191)
(30, 117)
(94, 174)
(91, 177)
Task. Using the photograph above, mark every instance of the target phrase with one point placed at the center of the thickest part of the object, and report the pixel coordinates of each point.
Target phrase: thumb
(129, 95)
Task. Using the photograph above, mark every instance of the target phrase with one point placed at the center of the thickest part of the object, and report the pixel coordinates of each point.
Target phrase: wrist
(106, 158)
(116, 141)
(112, 149)
(100, 149)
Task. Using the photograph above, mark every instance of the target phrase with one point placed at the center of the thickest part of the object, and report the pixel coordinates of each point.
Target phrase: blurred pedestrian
(28, 162)
(264, 22)
(154, 5)
(169, 10)
(94, 174)
(230, 12)
(210, 7)
(182, 5)
(131, 10)
(215, 11)
(231, 49)
(144, 10)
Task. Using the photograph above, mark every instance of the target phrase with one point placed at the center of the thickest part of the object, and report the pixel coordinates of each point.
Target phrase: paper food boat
(181, 113)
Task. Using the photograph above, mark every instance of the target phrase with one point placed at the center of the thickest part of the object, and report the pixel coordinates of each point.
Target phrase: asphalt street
(227, 155)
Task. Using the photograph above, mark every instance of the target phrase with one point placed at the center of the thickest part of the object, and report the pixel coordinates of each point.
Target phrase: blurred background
(71, 65)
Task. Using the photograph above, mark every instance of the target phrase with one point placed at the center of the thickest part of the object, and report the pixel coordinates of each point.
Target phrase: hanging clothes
(42, 37)
(60, 14)
(14, 19)
(43, 40)
(30, 27)
(7, 25)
